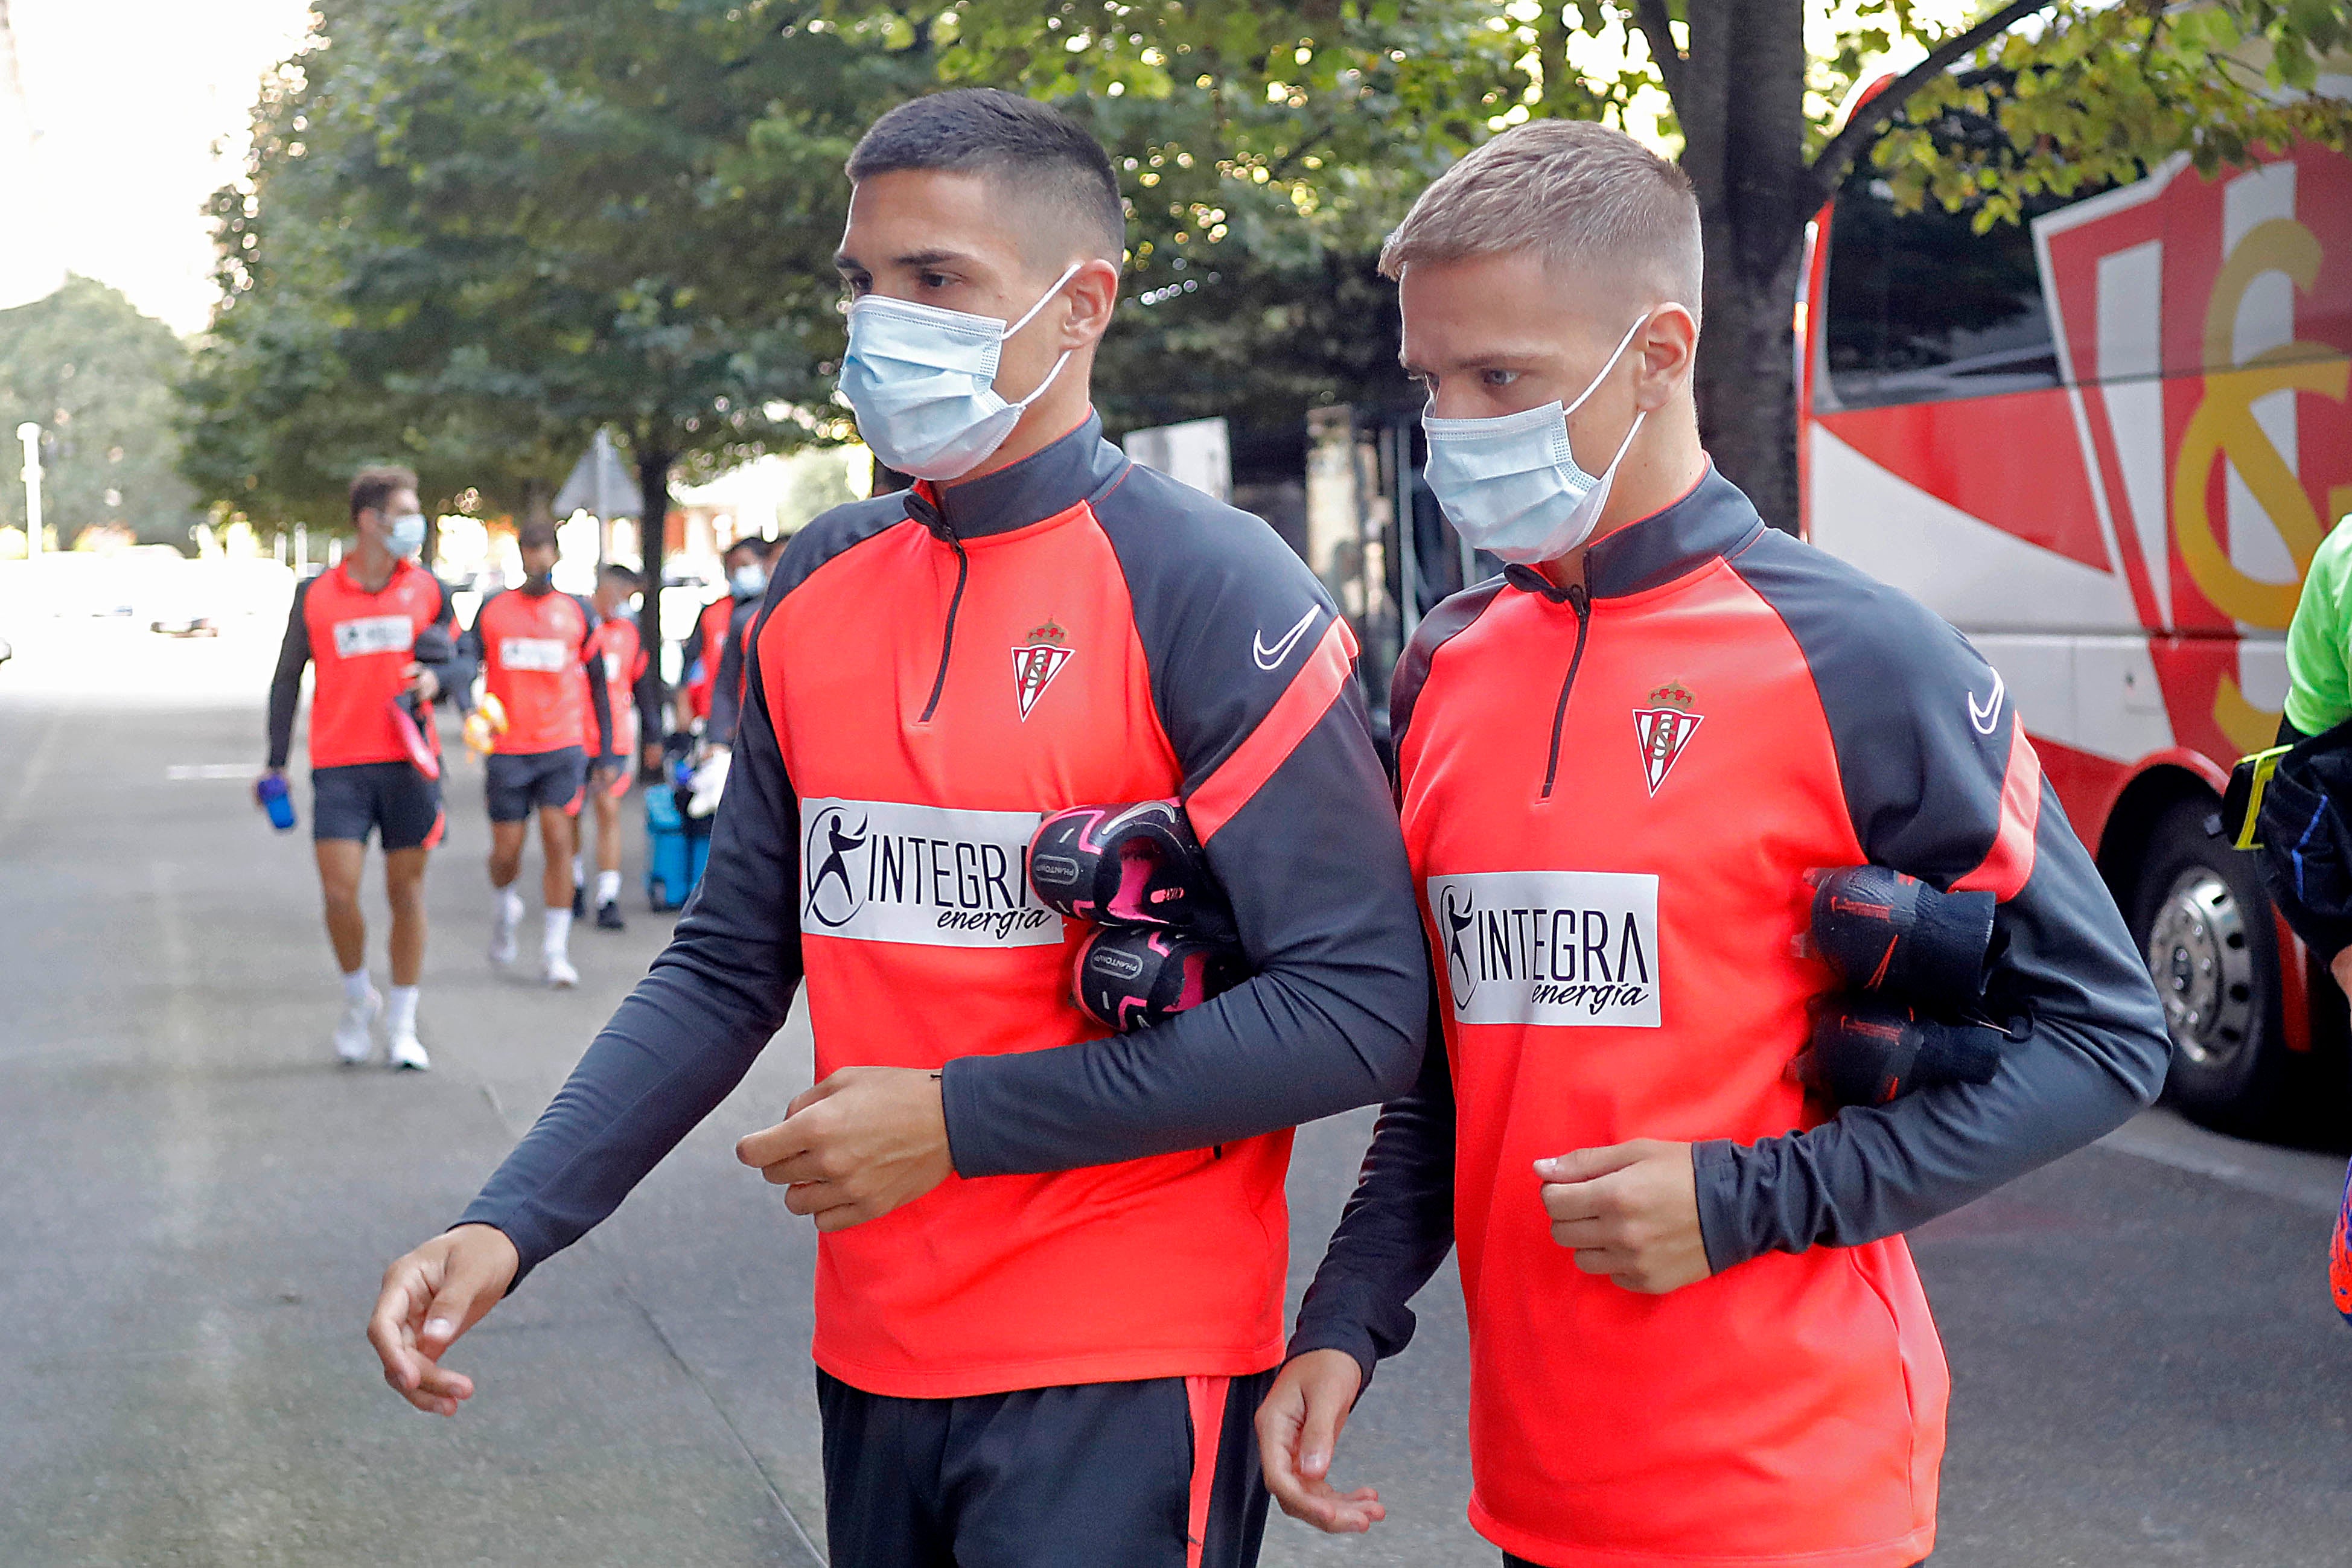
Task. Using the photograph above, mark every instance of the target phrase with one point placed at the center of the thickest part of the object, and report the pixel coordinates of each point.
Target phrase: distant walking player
(379, 628)
(536, 647)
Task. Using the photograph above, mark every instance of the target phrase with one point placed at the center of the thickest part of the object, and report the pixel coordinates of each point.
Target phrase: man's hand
(1297, 1427)
(856, 1146)
(431, 1297)
(2340, 966)
(1629, 1211)
(422, 684)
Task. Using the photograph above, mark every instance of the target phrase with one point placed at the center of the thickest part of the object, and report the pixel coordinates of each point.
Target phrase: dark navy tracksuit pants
(1157, 1474)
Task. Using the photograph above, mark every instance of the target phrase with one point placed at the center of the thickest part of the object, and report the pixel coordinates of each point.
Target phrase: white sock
(578, 872)
(509, 905)
(401, 1017)
(608, 886)
(559, 929)
(355, 987)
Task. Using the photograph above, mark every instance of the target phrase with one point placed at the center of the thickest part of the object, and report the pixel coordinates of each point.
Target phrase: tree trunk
(1740, 96)
(1747, 386)
(653, 460)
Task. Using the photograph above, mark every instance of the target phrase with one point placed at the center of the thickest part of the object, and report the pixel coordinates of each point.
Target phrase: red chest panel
(361, 645)
(531, 653)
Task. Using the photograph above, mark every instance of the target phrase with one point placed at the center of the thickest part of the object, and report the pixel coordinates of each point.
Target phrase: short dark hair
(1027, 147)
(614, 572)
(748, 541)
(371, 488)
(535, 536)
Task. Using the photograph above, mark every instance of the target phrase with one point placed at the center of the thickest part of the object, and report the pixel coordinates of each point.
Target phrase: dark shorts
(519, 786)
(390, 798)
(1046, 1478)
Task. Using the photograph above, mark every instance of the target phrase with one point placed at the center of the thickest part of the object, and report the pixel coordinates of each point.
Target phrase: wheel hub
(2197, 954)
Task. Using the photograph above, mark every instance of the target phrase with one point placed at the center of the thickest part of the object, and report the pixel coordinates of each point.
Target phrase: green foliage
(97, 376)
(2102, 93)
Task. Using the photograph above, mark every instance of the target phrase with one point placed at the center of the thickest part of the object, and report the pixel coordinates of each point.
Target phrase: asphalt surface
(195, 1205)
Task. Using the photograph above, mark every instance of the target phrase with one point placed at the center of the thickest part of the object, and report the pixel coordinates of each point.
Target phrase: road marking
(2298, 1176)
(180, 773)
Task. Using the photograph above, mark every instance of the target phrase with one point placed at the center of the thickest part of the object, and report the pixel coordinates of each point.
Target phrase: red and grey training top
(932, 673)
(1611, 795)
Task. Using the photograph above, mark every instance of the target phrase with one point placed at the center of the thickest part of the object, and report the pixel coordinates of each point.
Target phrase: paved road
(194, 1206)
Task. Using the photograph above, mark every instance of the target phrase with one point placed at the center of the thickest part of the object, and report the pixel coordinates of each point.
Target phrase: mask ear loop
(1588, 392)
(1039, 391)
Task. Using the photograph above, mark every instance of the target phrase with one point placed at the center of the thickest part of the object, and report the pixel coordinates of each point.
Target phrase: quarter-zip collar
(1046, 483)
(1714, 521)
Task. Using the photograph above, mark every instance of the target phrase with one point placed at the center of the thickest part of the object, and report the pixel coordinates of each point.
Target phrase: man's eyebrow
(845, 262)
(927, 257)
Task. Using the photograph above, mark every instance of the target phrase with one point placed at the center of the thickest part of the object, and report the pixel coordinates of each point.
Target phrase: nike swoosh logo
(1984, 718)
(1272, 657)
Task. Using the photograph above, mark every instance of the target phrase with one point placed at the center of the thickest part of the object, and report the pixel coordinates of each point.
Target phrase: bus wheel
(2204, 925)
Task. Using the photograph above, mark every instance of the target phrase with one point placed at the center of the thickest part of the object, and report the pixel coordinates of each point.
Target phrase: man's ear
(1093, 294)
(1668, 347)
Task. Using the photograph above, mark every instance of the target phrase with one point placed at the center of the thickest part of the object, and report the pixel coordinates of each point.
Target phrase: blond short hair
(1580, 195)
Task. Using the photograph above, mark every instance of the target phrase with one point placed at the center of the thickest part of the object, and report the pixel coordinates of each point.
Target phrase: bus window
(1921, 308)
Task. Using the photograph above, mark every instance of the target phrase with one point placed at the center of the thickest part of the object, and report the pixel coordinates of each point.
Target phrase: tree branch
(1829, 166)
(1658, 27)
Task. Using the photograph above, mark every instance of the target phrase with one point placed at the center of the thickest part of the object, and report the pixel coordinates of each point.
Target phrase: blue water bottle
(271, 790)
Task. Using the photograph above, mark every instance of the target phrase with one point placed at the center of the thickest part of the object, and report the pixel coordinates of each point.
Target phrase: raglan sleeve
(684, 1039)
(647, 691)
(1942, 784)
(1253, 678)
(286, 681)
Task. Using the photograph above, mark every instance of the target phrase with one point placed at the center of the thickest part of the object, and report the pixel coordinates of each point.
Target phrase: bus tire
(2203, 924)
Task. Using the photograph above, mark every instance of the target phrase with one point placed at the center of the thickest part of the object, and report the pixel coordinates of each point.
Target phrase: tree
(1344, 108)
(97, 376)
(507, 222)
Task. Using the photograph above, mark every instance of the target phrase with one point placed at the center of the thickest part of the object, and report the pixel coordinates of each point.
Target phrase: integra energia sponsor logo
(888, 871)
(1570, 948)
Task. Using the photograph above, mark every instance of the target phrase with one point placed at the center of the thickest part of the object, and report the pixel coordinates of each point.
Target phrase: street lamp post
(30, 434)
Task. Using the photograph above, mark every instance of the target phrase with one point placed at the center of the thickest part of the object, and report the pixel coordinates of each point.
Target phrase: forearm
(1395, 1231)
(1878, 1170)
(286, 682)
(2095, 1052)
(1278, 1050)
(600, 702)
(671, 1053)
(684, 1039)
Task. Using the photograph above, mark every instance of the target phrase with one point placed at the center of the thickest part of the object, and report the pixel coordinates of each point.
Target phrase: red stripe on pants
(1206, 1396)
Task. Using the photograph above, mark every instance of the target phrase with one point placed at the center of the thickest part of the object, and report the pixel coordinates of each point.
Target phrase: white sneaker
(403, 1052)
(353, 1041)
(502, 929)
(557, 968)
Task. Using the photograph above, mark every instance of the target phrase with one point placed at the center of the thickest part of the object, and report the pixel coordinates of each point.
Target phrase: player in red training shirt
(372, 625)
(535, 646)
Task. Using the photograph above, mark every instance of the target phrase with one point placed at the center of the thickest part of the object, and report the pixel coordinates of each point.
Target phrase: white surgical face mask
(406, 538)
(922, 381)
(1511, 486)
(749, 580)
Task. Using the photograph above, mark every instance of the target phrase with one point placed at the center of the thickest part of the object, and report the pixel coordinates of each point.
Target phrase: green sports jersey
(2320, 642)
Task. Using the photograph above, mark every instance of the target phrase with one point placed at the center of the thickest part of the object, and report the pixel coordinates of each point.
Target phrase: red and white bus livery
(2104, 444)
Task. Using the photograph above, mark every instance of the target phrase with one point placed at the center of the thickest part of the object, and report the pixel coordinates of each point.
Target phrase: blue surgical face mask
(1511, 486)
(922, 381)
(748, 580)
(407, 539)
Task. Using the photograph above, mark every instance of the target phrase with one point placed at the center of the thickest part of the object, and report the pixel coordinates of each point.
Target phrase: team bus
(2104, 444)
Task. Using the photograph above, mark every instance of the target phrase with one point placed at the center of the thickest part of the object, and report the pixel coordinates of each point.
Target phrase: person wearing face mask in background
(744, 562)
(726, 692)
(366, 625)
(1697, 1335)
(1050, 1270)
(535, 645)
